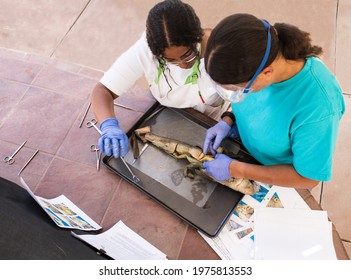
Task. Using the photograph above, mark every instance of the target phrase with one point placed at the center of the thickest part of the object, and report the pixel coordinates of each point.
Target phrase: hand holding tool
(113, 139)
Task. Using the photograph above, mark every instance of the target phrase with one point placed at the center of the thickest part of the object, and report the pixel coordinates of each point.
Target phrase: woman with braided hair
(169, 55)
(286, 104)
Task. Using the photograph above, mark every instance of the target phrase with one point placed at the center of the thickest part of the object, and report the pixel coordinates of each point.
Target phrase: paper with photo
(229, 248)
(236, 239)
(122, 243)
(64, 212)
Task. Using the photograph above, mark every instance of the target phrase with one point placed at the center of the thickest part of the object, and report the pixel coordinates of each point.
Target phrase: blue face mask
(235, 94)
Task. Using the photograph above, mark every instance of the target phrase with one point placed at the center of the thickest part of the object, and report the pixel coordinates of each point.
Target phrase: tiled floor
(44, 91)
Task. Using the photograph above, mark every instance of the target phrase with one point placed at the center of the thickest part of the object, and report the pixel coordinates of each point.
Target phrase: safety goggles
(234, 93)
(187, 59)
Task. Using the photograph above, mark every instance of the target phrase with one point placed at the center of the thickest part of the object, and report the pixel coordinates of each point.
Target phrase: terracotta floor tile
(19, 71)
(34, 170)
(137, 98)
(65, 82)
(150, 220)
(90, 72)
(90, 190)
(76, 146)
(194, 247)
(41, 117)
(10, 95)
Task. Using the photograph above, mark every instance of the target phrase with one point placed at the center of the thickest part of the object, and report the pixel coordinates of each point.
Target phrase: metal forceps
(135, 178)
(92, 123)
(10, 159)
(95, 149)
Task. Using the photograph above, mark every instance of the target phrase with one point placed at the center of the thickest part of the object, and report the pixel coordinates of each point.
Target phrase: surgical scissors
(92, 123)
(10, 159)
(95, 149)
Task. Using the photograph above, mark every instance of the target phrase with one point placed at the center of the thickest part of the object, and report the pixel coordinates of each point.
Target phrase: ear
(268, 71)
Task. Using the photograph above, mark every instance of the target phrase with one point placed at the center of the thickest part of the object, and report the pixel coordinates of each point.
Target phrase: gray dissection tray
(200, 202)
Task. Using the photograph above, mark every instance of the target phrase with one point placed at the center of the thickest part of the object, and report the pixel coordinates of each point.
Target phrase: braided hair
(172, 23)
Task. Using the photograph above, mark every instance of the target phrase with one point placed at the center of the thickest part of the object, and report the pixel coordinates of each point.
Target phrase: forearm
(280, 175)
(102, 103)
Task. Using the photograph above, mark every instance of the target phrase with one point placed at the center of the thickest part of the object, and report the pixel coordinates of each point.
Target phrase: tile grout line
(112, 196)
(70, 28)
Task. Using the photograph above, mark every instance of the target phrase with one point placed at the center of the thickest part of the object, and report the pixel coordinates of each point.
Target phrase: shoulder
(330, 90)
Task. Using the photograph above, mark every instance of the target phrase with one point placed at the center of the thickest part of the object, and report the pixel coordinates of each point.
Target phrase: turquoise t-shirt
(294, 122)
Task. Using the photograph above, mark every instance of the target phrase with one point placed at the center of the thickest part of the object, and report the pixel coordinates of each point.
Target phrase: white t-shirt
(139, 61)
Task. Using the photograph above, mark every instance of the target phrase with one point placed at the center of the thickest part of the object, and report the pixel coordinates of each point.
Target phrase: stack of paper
(274, 223)
(292, 234)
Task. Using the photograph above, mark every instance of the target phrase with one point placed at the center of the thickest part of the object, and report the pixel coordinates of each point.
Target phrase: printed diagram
(240, 223)
(261, 192)
(64, 216)
(243, 211)
(64, 212)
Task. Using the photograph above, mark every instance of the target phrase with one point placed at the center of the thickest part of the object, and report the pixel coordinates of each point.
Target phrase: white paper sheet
(236, 240)
(293, 234)
(121, 243)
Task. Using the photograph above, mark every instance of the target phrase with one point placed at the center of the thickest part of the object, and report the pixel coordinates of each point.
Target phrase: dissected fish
(195, 156)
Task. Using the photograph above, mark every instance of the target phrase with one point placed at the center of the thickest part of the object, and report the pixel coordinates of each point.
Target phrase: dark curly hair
(172, 23)
(237, 45)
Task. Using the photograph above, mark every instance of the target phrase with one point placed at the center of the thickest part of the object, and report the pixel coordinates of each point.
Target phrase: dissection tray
(200, 202)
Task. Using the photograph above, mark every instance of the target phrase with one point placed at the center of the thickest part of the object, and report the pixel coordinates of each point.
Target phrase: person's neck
(287, 69)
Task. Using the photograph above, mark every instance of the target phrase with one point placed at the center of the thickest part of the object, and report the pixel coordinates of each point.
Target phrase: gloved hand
(215, 136)
(112, 136)
(219, 167)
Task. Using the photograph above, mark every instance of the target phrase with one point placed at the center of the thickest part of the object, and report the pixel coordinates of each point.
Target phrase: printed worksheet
(63, 212)
(122, 243)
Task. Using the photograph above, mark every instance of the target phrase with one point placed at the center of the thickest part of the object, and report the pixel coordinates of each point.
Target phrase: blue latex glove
(113, 139)
(219, 167)
(215, 136)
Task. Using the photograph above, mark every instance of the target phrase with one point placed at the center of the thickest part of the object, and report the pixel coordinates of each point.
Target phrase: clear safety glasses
(193, 54)
(234, 93)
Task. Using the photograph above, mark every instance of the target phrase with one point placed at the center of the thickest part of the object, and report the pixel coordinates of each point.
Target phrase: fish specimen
(195, 157)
